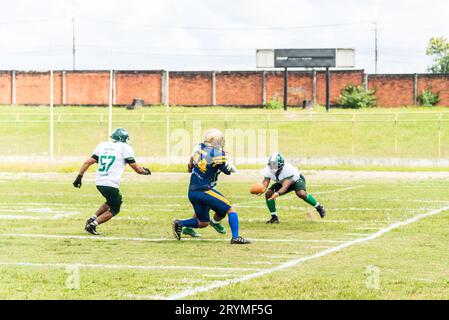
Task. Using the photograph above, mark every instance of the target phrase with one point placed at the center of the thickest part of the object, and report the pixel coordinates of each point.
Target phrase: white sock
(317, 205)
(215, 222)
(274, 213)
(94, 217)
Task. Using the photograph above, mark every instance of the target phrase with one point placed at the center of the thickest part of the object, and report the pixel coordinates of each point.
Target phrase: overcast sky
(213, 34)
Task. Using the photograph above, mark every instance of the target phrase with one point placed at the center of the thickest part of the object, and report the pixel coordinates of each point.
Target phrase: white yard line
(100, 238)
(294, 262)
(114, 266)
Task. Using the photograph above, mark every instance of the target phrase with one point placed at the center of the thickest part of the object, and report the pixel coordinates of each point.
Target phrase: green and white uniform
(287, 172)
(112, 158)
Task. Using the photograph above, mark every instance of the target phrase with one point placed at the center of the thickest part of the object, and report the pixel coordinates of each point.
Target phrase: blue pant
(203, 201)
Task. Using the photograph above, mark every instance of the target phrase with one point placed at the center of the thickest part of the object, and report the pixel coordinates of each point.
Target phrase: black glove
(147, 171)
(77, 183)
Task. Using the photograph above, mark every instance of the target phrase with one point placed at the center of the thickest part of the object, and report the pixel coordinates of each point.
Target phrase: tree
(438, 49)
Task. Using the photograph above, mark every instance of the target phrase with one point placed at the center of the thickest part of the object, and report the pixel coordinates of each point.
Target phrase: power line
(203, 28)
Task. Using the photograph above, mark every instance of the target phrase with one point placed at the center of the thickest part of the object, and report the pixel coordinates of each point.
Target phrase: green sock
(311, 200)
(271, 204)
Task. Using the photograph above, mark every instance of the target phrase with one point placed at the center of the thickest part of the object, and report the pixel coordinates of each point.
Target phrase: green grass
(371, 133)
(412, 260)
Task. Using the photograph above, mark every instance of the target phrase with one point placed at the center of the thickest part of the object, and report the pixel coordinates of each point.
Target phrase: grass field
(411, 133)
(359, 251)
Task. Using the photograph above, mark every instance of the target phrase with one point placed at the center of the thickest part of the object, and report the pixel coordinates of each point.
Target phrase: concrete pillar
(13, 88)
(314, 87)
(63, 89)
(214, 88)
(415, 89)
(365, 81)
(264, 87)
(165, 80)
(114, 88)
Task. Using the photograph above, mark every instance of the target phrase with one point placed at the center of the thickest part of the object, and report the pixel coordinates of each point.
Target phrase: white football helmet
(214, 138)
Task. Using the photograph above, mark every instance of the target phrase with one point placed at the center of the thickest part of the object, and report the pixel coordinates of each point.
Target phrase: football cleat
(321, 211)
(190, 232)
(274, 220)
(218, 227)
(177, 229)
(90, 220)
(92, 229)
(240, 240)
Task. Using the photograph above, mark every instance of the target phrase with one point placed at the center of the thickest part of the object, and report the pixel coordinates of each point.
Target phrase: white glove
(230, 167)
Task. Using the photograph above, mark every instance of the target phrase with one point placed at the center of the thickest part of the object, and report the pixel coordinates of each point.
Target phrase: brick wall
(393, 90)
(300, 87)
(337, 81)
(34, 88)
(5, 87)
(232, 88)
(190, 88)
(437, 83)
(239, 88)
(130, 85)
(87, 87)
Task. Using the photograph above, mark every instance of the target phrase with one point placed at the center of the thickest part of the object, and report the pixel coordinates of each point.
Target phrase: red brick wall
(5, 87)
(300, 86)
(195, 88)
(392, 90)
(87, 87)
(338, 80)
(34, 88)
(190, 88)
(437, 83)
(135, 84)
(239, 88)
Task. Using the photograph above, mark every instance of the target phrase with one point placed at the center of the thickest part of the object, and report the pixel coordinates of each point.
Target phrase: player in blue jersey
(207, 161)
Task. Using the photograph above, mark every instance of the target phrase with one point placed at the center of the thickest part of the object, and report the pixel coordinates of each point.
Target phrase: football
(257, 188)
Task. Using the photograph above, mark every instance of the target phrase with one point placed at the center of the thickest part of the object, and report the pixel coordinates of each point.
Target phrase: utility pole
(73, 44)
(375, 47)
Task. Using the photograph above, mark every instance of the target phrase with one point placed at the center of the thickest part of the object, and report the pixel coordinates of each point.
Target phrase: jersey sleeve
(96, 152)
(128, 154)
(266, 172)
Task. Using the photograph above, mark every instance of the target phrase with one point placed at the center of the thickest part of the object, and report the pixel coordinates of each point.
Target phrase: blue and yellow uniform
(208, 163)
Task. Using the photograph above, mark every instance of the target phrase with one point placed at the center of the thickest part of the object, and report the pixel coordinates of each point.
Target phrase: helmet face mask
(276, 163)
(214, 138)
(120, 135)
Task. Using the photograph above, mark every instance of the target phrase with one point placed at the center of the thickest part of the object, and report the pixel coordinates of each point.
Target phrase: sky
(195, 35)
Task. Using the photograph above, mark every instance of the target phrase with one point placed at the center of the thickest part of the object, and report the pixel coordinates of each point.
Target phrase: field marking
(100, 238)
(115, 266)
(292, 263)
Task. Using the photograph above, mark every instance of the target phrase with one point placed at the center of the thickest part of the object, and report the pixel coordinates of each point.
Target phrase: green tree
(438, 49)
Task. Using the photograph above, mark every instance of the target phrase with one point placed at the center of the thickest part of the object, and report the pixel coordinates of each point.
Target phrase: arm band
(130, 160)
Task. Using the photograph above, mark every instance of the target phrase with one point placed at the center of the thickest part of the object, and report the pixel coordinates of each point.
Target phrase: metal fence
(167, 137)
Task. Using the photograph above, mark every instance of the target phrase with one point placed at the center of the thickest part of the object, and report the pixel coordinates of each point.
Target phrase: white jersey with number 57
(287, 172)
(112, 159)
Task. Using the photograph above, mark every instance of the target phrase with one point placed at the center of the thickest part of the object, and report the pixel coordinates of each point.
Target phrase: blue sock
(193, 223)
(233, 220)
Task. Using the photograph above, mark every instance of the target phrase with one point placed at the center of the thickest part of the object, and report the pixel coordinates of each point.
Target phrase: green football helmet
(120, 135)
(276, 162)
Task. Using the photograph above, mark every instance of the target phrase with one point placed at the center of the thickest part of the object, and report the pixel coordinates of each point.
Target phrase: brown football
(257, 188)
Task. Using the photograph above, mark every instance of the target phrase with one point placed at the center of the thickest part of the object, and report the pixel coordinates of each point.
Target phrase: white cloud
(230, 41)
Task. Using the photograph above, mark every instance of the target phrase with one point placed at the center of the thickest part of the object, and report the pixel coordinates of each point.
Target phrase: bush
(357, 97)
(428, 99)
(274, 104)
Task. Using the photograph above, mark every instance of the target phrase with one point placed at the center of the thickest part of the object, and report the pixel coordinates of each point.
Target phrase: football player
(207, 161)
(287, 179)
(215, 224)
(112, 157)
